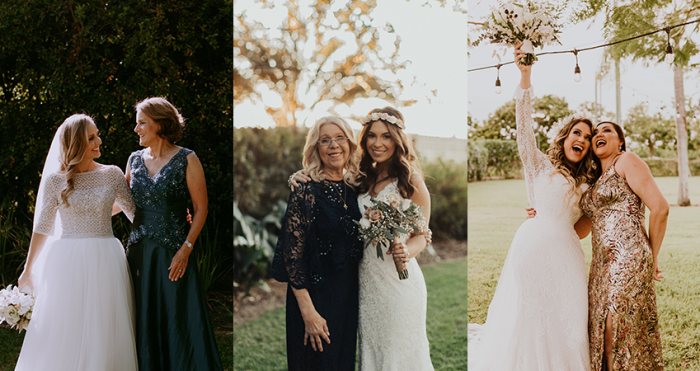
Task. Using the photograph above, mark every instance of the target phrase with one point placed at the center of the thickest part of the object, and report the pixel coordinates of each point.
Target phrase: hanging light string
(669, 49)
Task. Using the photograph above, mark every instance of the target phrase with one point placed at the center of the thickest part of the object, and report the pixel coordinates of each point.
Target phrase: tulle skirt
(83, 317)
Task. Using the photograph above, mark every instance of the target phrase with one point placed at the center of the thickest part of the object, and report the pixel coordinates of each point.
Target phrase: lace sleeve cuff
(520, 92)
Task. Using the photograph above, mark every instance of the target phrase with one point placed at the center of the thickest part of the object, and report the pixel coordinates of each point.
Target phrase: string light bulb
(577, 70)
(669, 49)
(498, 80)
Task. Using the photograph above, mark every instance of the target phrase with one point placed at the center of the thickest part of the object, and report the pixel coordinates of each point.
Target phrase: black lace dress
(173, 331)
(319, 250)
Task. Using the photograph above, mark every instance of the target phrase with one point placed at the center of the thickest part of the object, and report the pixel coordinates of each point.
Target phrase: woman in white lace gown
(83, 316)
(538, 318)
(391, 330)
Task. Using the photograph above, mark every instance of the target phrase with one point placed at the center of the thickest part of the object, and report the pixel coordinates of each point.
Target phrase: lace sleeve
(290, 263)
(123, 194)
(534, 161)
(47, 216)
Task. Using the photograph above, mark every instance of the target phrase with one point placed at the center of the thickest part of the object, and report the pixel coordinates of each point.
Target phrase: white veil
(52, 165)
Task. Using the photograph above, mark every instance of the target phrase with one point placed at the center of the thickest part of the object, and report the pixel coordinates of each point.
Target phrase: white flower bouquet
(16, 307)
(533, 24)
(386, 220)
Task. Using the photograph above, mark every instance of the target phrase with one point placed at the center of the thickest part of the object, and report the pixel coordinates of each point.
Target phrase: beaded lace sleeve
(292, 263)
(534, 161)
(123, 194)
(47, 218)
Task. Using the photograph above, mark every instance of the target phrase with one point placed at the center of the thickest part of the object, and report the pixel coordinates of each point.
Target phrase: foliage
(648, 130)
(307, 56)
(101, 58)
(254, 244)
(447, 183)
(14, 241)
(493, 158)
(669, 166)
(501, 124)
(596, 112)
(263, 161)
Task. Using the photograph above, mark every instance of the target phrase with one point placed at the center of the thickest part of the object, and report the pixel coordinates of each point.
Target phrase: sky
(433, 39)
(554, 74)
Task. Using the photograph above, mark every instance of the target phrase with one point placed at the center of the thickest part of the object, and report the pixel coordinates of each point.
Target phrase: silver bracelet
(189, 244)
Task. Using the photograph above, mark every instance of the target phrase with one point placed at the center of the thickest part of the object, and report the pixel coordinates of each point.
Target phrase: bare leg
(608, 343)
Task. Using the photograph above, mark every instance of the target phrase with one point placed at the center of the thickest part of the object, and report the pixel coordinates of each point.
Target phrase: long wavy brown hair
(74, 144)
(402, 164)
(583, 172)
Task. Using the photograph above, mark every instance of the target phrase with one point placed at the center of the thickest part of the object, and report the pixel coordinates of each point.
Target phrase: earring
(593, 165)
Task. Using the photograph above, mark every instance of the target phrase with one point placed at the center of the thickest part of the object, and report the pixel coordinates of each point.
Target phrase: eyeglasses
(325, 142)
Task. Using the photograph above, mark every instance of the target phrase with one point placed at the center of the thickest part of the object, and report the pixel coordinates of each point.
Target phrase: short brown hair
(166, 115)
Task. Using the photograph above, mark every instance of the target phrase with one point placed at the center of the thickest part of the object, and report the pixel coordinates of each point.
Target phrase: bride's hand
(657, 271)
(400, 251)
(300, 176)
(25, 280)
(531, 212)
(518, 53)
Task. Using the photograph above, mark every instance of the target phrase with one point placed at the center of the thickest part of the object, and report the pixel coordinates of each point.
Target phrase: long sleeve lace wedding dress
(537, 320)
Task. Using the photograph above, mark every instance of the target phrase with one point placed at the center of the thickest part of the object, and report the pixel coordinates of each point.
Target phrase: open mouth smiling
(578, 149)
(600, 142)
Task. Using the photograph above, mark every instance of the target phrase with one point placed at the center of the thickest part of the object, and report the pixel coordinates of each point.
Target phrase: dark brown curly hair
(402, 164)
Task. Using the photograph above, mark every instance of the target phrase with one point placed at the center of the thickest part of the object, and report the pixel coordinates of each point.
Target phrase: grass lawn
(260, 344)
(496, 210)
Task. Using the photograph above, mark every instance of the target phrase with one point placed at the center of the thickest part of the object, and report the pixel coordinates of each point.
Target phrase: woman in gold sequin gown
(623, 322)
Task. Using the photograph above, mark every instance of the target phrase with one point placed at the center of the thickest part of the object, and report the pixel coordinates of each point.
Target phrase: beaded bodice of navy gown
(173, 330)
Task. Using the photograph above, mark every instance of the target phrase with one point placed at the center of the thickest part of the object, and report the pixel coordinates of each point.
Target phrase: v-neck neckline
(152, 178)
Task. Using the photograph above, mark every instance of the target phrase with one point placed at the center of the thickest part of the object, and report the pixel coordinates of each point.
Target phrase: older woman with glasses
(318, 253)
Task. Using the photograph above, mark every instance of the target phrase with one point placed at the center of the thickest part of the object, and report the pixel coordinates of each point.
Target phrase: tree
(593, 110)
(633, 18)
(648, 130)
(501, 124)
(303, 57)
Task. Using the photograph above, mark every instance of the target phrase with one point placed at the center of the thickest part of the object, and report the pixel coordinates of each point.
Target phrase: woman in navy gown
(173, 330)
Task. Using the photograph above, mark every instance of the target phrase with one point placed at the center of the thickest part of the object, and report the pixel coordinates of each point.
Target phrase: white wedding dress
(538, 318)
(391, 327)
(83, 316)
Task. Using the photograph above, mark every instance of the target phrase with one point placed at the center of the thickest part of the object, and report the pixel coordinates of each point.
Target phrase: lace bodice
(161, 201)
(318, 235)
(547, 189)
(89, 213)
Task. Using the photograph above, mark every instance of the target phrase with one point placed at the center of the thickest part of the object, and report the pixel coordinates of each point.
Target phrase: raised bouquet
(16, 307)
(533, 24)
(386, 220)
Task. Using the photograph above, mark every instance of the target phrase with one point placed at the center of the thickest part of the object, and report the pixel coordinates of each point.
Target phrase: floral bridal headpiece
(383, 116)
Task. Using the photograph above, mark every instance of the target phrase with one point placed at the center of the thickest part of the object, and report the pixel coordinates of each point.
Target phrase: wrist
(188, 244)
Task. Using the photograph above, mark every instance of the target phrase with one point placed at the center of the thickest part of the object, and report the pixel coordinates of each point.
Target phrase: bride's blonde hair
(74, 144)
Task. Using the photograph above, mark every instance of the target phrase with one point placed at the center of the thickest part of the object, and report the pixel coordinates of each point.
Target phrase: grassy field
(11, 342)
(260, 345)
(496, 210)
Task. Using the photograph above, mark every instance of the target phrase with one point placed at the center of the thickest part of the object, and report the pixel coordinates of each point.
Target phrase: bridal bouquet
(533, 24)
(388, 218)
(15, 307)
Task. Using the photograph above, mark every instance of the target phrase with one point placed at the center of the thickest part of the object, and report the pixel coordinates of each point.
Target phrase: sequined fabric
(621, 277)
(161, 201)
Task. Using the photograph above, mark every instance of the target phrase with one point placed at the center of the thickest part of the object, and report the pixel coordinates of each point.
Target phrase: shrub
(493, 158)
(669, 166)
(447, 183)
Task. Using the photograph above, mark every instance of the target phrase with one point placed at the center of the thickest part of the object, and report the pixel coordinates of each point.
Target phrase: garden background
(100, 58)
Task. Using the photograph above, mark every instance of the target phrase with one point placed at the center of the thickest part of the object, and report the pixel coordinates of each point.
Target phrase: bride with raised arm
(83, 318)
(538, 318)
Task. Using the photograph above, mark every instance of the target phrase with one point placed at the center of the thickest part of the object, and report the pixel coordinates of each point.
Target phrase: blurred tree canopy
(646, 129)
(309, 55)
(97, 57)
(547, 110)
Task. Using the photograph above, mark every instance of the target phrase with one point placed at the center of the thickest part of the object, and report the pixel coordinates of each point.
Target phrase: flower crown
(383, 116)
(557, 126)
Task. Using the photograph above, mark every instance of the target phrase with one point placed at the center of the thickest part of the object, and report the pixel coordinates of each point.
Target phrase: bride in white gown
(391, 329)
(83, 316)
(538, 318)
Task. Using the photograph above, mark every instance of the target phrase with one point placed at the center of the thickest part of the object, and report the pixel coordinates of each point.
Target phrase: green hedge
(669, 166)
(494, 158)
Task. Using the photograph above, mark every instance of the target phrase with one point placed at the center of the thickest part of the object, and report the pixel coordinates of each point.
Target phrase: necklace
(343, 195)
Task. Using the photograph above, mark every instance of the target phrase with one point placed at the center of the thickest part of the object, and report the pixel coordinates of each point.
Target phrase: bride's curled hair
(583, 172)
(74, 144)
(402, 164)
